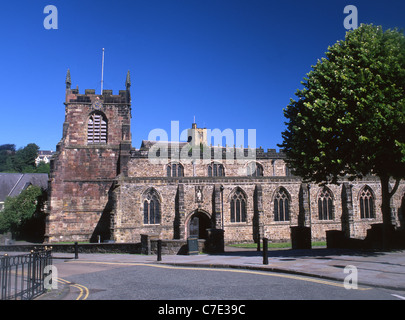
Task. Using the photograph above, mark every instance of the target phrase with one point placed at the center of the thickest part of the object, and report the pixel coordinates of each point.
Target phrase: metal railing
(22, 276)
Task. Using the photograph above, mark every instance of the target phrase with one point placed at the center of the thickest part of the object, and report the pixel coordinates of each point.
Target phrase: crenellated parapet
(89, 96)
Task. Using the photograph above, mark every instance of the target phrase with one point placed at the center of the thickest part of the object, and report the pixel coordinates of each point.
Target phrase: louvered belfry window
(97, 129)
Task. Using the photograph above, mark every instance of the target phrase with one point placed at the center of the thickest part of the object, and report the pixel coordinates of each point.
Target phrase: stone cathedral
(101, 187)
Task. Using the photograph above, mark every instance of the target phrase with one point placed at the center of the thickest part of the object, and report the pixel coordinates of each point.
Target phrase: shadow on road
(317, 253)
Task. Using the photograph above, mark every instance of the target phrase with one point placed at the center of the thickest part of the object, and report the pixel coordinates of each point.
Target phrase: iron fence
(22, 276)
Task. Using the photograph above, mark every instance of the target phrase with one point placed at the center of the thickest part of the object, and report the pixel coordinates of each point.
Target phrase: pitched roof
(45, 152)
(12, 184)
(147, 144)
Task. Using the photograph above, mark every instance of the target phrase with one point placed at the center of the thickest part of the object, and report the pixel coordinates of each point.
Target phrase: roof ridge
(15, 186)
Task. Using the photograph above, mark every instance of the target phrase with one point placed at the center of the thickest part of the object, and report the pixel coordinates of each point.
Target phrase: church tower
(94, 149)
(197, 136)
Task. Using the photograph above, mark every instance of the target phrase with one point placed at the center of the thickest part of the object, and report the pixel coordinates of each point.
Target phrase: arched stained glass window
(238, 206)
(151, 208)
(366, 203)
(281, 205)
(325, 204)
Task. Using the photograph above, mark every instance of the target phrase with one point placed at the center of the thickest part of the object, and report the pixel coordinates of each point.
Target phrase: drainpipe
(222, 202)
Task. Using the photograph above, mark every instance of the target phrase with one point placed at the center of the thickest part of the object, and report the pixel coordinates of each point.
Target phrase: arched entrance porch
(197, 224)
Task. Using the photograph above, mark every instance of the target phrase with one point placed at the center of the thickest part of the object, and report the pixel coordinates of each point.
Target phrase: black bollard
(76, 250)
(159, 250)
(265, 255)
(258, 243)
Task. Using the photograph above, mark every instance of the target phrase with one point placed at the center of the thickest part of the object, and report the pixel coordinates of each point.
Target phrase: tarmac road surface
(235, 275)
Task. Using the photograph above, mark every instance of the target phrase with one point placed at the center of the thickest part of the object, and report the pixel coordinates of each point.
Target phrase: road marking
(83, 290)
(263, 273)
(398, 296)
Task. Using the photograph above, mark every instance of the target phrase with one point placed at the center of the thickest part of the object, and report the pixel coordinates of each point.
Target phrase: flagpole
(102, 73)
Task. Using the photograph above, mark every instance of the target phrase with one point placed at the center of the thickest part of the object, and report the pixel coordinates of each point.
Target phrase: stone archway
(197, 225)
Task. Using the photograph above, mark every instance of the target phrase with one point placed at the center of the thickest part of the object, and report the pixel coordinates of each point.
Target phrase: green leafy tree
(7, 152)
(8, 147)
(349, 119)
(43, 167)
(18, 210)
(24, 159)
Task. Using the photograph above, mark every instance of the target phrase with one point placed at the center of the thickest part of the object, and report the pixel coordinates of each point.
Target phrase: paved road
(114, 280)
(236, 274)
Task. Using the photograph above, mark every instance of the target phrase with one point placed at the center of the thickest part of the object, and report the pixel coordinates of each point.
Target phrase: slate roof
(147, 144)
(45, 152)
(260, 153)
(12, 184)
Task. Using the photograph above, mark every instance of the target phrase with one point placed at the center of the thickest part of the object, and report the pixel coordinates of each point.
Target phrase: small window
(216, 170)
(96, 129)
(254, 169)
(281, 206)
(175, 170)
(367, 204)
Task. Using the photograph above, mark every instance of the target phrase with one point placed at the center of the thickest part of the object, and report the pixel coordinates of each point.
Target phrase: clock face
(97, 105)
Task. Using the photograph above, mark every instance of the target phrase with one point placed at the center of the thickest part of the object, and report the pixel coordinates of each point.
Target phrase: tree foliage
(22, 160)
(7, 152)
(349, 119)
(20, 209)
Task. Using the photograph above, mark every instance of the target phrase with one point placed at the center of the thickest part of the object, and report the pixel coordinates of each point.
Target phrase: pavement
(374, 268)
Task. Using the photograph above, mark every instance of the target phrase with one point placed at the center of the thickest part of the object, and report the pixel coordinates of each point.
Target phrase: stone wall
(82, 248)
(177, 210)
(144, 167)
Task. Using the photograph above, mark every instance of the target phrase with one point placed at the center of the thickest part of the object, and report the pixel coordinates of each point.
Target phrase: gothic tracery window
(325, 205)
(281, 205)
(366, 203)
(238, 206)
(96, 128)
(151, 208)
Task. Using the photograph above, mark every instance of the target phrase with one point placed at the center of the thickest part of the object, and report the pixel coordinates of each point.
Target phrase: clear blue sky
(230, 63)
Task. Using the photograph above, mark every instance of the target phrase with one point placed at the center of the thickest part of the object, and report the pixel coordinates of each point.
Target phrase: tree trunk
(385, 209)
(386, 195)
